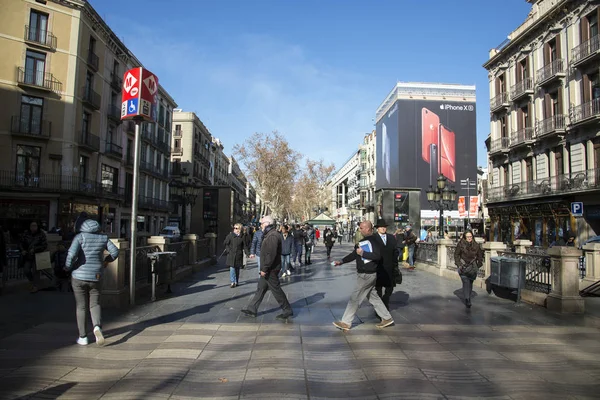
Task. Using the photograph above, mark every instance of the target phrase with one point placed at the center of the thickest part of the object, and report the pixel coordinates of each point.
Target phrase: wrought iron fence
(450, 264)
(12, 272)
(537, 270)
(142, 263)
(427, 253)
(582, 271)
(202, 249)
(183, 253)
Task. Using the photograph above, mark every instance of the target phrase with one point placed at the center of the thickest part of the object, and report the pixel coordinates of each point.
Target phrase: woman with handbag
(468, 258)
(236, 245)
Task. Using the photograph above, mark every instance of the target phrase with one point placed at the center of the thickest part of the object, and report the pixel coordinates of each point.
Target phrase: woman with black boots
(468, 258)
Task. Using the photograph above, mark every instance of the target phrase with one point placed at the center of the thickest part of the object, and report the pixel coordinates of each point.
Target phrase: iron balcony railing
(585, 50)
(521, 88)
(177, 151)
(90, 97)
(89, 140)
(162, 147)
(129, 126)
(114, 112)
(114, 149)
(41, 37)
(499, 100)
(178, 134)
(555, 185)
(153, 203)
(499, 144)
(38, 79)
(93, 60)
(116, 80)
(585, 111)
(551, 70)
(522, 136)
(549, 125)
(12, 180)
(30, 127)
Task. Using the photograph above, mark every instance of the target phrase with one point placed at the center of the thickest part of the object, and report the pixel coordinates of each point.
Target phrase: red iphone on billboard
(447, 154)
(430, 134)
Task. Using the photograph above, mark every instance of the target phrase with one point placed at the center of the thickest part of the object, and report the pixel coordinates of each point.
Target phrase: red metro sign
(139, 95)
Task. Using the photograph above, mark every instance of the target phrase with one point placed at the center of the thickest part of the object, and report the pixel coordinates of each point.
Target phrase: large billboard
(417, 140)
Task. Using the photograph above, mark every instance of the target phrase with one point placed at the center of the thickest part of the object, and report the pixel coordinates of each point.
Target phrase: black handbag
(470, 270)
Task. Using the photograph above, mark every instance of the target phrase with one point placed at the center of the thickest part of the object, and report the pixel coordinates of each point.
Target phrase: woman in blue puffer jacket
(86, 262)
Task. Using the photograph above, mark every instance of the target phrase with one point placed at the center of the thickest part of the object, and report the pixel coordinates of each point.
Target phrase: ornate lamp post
(442, 197)
(185, 191)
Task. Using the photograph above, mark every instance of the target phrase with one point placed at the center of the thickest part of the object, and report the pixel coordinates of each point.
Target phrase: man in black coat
(270, 266)
(387, 271)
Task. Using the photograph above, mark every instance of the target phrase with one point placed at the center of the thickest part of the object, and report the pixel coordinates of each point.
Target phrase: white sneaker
(99, 336)
(83, 341)
(288, 272)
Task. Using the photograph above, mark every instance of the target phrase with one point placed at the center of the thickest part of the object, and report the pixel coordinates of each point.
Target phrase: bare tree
(310, 189)
(271, 165)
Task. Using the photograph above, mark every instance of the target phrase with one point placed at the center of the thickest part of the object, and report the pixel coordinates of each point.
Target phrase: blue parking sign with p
(577, 208)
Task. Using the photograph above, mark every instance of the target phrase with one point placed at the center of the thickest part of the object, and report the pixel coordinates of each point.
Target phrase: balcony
(90, 97)
(551, 72)
(40, 37)
(129, 126)
(147, 135)
(499, 102)
(177, 151)
(585, 113)
(499, 145)
(89, 141)
(585, 52)
(574, 182)
(38, 80)
(113, 150)
(178, 134)
(28, 128)
(116, 81)
(521, 137)
(93, 60)
(129, 160)
(150, 168)
(152, 203)
(163, 147)
(554, 124)
(522, 89)
(112, 191)
(114, 113)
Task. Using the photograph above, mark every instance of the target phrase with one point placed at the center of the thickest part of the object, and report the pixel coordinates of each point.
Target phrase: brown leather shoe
(341, 325)
(385, 322)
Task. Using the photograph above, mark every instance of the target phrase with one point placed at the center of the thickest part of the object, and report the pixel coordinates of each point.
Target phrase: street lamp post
(186, 192)
(442, 197)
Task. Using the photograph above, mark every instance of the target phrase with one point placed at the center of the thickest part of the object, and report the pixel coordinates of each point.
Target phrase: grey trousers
(271, 281)
(365, 288)
(87, 295)
(467, 287)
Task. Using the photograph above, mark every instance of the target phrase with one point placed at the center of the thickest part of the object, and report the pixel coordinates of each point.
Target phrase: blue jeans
(298, 252)
(234, 275)
(285, 261)
(411, 255)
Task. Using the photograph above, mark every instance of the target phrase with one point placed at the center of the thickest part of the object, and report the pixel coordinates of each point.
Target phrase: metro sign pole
(139, 102)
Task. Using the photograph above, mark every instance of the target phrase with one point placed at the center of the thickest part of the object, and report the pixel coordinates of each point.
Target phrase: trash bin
(508, 272)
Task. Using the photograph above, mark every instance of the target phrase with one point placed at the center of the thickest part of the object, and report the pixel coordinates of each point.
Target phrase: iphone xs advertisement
(417, 140)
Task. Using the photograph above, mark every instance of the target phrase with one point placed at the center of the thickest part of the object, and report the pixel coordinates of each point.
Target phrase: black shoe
(249, 313)
(468, 303)
(285, 315)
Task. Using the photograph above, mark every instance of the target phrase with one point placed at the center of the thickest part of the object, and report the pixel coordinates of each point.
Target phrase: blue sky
(316, 70)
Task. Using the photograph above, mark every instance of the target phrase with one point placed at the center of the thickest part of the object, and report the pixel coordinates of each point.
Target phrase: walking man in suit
(387, 271)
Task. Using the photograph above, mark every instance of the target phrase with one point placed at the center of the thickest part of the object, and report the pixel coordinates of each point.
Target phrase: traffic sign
(139, 95)
(577, 208)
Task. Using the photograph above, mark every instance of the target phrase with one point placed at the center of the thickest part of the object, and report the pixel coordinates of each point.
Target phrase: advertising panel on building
(417, 140)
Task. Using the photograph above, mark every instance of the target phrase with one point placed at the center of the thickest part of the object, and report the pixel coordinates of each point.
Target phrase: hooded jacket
(93, 245)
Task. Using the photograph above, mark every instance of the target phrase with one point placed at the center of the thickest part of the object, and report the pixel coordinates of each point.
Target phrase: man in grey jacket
(86, 263)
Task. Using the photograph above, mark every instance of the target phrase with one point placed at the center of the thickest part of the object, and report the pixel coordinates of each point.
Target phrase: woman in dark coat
(328, 240)
(236, 245)
(468, 258)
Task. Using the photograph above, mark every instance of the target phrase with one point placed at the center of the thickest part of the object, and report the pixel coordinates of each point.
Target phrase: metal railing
(499, 100)
(116, 80)
(114, 112)
(39, 128)
(203, 249)
(90, 141)
(177, 151)
(521, 87)
(555, 185)
(550, 124)
(521, 136)
(584, 111)
(12, 271)
(93, 60)
(550, 70)
(426, 252)
(499, 144)
(538, 277)
(42, 80)
(585, 49)
(450, 264)
(153, 203)
(142, 263)
(183, 253)
(114, 149)
(90, 97)
(40, 36)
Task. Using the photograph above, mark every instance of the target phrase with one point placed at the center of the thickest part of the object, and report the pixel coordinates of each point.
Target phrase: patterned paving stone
(95, 375)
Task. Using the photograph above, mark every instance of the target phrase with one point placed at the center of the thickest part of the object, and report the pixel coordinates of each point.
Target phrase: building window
(110, 135)
(28, 165)
(85, 126)
(92, 45)
(84, 163)
(38, 27)
(506, 175)
(529, 169)
(503, 127)
(558, 161)
(593, 21)
(31, 115)
(110, 178)
(35, 67)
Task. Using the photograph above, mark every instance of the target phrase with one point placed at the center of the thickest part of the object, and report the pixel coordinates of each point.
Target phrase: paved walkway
(197, 344)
